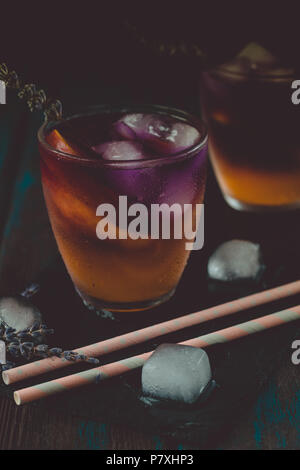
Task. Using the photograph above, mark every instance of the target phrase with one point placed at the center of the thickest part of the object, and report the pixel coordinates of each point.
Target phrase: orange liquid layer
(113, 270)
(256, 186)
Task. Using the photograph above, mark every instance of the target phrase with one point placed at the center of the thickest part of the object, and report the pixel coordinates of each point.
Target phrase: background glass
(253, 126)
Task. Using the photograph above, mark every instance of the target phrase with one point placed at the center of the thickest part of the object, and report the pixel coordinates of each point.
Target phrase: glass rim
(153, 161)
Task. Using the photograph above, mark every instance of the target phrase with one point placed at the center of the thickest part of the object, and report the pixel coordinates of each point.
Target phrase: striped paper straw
(37, 392)
(151, 332)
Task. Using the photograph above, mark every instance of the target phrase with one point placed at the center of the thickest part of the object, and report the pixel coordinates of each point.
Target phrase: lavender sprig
(27, 344)
(7, 366)
(35, 99)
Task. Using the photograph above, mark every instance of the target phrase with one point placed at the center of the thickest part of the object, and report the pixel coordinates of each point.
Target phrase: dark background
(67, 44)
(85, 54)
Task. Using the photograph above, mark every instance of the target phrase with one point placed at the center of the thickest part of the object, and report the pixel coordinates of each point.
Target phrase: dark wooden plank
(29, 428)
(274, 420)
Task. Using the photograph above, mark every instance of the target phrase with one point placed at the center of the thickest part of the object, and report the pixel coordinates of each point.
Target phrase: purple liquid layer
(140, 137)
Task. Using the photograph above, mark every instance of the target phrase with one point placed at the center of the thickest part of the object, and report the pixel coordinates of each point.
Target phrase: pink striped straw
(37, 392)
(151, 332)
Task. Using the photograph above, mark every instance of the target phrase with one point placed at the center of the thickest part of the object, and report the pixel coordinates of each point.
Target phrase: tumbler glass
(140, 163)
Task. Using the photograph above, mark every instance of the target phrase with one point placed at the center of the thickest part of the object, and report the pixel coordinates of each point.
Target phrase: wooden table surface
(27, 246)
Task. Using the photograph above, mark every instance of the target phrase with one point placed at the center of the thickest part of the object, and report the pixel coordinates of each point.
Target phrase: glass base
(242, 206)
(102, 306)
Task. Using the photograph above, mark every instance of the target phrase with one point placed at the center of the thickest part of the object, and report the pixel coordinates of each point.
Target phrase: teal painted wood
(93, 436)
(11, 141)
(277, 419)
(27, 244)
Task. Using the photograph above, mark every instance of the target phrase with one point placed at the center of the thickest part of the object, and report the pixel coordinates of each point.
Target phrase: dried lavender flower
(30, 290)
(7, 366)
(35, 99)
(13, 349)
(23, 334)
(24, 344)
(92, 360)
(35, 326)
(71, 356)
(55, 352)
(42, 348)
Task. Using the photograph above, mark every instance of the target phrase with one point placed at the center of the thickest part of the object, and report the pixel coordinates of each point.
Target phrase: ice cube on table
(163, 135)
(236, 260)
(18, 312)
(121, 150)
(176, 372)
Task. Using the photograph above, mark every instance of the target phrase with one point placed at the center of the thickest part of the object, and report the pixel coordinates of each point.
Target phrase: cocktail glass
(120, 273)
